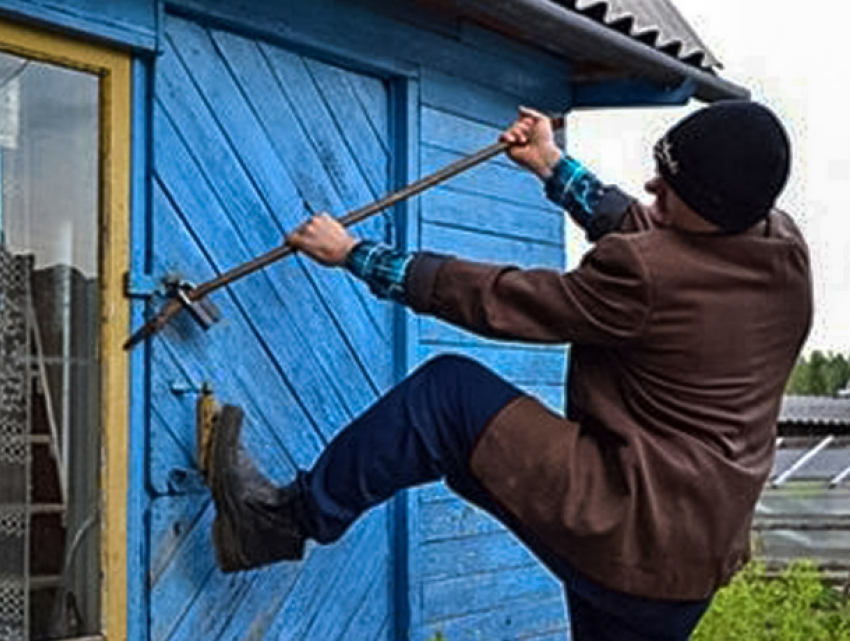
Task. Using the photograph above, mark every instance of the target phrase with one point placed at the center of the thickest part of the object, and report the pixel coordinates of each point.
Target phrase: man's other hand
(532, 142)
(323, 239)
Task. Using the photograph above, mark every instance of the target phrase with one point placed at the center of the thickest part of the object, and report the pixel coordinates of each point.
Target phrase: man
(685, 320)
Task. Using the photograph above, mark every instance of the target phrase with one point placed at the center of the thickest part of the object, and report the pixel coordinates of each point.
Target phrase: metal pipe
(574, 35)
(838, 478)
(195, 294)
(800, 462)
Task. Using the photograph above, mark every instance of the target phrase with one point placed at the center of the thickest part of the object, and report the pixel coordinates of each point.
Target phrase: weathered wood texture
(129, 22)
(245, 133)
(470, 578)
(246, 130)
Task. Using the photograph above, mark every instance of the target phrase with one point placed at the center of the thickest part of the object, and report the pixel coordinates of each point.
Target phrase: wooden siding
(244, 131)
(244, 134)
(470, 578)
(125, 22)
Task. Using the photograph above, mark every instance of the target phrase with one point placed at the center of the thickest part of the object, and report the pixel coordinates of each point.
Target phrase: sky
(790, 56)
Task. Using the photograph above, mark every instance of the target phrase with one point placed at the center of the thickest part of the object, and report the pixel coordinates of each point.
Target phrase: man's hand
(323, 239)
(532, 142)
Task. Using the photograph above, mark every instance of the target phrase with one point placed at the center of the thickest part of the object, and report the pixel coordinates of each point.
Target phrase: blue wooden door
(246, 132)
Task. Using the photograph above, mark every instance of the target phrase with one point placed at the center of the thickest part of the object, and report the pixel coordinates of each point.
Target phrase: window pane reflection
(49, 378)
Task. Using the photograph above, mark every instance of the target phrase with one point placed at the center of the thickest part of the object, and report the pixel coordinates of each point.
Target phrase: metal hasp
(204, 311)
(188, 297)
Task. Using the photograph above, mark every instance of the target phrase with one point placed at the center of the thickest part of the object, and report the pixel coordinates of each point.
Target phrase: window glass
(49, 377)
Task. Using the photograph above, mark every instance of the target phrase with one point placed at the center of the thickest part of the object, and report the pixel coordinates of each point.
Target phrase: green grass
(796, 606)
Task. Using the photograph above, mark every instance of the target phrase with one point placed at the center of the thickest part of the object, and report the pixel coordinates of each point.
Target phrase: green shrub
(796, 606)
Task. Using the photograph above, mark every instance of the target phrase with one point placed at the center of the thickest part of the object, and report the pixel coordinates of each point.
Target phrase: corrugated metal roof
(815, 411)
(646, 40)
(656, 23)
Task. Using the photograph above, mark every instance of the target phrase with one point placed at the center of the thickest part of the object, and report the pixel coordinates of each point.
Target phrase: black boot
(256, 522)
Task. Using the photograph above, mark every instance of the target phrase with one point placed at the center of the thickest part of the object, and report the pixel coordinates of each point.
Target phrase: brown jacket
(681, 346)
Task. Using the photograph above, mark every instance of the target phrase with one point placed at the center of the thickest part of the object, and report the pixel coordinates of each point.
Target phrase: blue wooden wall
(474, 581)
(249, 110)
(244, 132)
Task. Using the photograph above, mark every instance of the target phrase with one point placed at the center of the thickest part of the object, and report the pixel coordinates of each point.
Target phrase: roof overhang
(599, 53)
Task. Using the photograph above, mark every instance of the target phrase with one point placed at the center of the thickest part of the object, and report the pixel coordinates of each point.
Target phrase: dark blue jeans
(424, 430)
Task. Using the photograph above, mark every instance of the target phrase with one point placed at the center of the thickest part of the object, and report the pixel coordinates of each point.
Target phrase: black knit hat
(728, 162)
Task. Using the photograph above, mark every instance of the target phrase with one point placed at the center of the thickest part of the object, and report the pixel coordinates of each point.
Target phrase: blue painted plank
(495, 180)
(455, 518)
(319, 128)
(168, 454)
(212, 69)
(289, 596)
(434, 331)
(183, 578)
(476, 212)
(357, 130)
(355, 33)
(127, 22)
(222, 599)
(170, 523)
(447, 337)
(490, 248)
(277, 303)
(538, 620)
(449, 93)
(137, 455)
(362, 322)
(372, 618)
(195, 88)
(560, 635)
(550, 395)
(521, 366)
(459, 134)
(352, 587)
(211, 356)
(435, 492)
(280, 442)
(408, 611)
(191, 599)
(484, 592)
(216, 72)
(492, 552)
(373, 96)
(315, 590)
(385, 633)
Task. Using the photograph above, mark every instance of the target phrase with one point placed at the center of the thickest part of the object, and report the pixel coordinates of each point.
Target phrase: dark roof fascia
(565, 32)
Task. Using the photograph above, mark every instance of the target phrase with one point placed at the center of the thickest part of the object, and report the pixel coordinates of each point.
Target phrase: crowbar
(190, 296)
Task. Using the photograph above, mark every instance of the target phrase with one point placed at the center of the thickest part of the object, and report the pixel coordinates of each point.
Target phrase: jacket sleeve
(606, 300)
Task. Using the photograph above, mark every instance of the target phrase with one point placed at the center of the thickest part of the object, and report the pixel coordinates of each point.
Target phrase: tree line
(819, 374)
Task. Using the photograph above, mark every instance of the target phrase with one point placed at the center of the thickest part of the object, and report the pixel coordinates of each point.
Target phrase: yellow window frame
(114, 69)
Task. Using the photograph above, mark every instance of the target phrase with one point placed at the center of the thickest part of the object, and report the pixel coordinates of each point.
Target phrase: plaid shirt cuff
(597, 208)
(383, 269)
(573, 187)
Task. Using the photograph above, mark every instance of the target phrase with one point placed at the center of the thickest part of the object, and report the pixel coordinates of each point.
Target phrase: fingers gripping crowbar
(191, 297)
